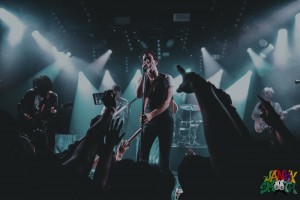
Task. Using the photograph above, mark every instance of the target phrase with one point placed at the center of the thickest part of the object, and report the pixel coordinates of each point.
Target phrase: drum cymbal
(190, 107)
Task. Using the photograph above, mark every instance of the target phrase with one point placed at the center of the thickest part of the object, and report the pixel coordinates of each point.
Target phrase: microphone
(297, 81)
(145, 68)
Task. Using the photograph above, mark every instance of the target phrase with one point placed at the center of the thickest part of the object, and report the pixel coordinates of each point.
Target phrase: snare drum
(185, 125)
(184, 128)
(196, 123)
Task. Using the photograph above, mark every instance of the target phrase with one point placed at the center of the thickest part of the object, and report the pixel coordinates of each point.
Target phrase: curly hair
(42, 82)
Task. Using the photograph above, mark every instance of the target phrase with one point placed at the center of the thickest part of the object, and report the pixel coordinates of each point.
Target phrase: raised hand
(190, 81)
(283, 115)
(145, 118)
(122, 148)
(186, 85)
(109, 99)
(113, 136)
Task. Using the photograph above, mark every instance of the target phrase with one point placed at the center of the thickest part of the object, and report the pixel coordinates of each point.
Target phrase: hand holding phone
(98, 98)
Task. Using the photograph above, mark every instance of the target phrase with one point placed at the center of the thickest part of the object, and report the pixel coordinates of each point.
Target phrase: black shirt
(157, 93)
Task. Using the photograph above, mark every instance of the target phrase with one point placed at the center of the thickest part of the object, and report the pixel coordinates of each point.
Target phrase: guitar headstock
(296, 107)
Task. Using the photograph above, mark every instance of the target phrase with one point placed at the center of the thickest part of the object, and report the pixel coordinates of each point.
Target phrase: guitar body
(120, 109)
(38, 120)
(260, 125)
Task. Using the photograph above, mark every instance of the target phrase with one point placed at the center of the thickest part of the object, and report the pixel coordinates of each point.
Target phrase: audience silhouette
(235, 169)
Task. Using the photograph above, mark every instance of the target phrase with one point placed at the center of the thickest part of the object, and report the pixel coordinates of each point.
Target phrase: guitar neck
(293, 108)
(134, 135)
(124, 107)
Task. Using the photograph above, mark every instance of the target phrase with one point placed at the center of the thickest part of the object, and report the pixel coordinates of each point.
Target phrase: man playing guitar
(123, 107)
(37, 109)
(260, 126)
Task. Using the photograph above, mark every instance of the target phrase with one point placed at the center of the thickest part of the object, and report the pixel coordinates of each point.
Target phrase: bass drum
(200, 137)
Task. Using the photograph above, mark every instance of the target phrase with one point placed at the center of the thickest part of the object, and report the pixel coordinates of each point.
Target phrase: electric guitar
(39, 119)
(123, 108)
(134, 135)
(260, 125)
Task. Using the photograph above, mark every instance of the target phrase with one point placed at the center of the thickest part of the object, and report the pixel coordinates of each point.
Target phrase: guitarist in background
(120, 103)
(265, 132)
(36, 110)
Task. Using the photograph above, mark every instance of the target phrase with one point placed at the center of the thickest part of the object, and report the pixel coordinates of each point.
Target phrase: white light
(297, 34)
(262, 55)
(68, 54)
(282, 32)
(216, 78)
(15, 25)
(83, 109)
(211, 65)
(297, 17)
(43, 42)
(238, 92)
(107, 81)
(281, 51)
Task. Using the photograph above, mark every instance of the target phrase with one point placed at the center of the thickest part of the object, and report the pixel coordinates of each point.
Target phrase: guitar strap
(43, 103)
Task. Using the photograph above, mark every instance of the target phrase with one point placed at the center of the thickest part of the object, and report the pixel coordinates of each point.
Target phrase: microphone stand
(143, 111)
(143, 100)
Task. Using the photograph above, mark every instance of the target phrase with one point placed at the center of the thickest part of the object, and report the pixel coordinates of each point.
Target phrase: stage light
(297, 34)
(261, 65)
(238, 92)
(170, 43)
(211, 66)
(263, 43)
(83, 109)
(43, 42)
(216, 78)
(107, 82)
(98, 65)
(143, 44)
(16, 27)
(262, 55)
(281, 52)
(68, 54)
(266, 51)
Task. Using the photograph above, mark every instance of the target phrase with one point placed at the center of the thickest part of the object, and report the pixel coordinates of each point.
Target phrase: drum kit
(187, 134)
